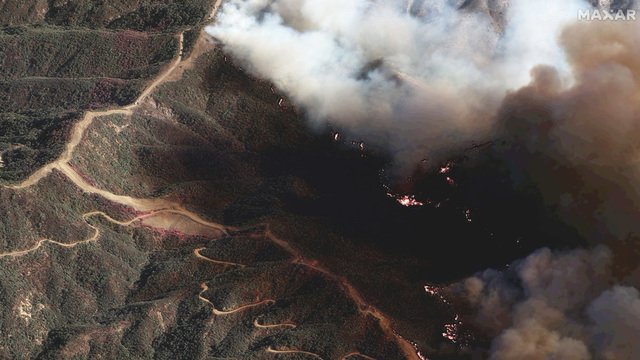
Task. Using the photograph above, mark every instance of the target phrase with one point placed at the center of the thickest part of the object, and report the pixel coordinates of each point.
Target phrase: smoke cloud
(425, 78)
(556, 306)
(580, 143)
(422, 78)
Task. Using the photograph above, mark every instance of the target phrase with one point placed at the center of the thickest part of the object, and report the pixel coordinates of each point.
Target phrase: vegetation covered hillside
(60, 58)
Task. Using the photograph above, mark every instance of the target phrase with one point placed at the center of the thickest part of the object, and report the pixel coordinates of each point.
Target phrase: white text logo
(604, 15)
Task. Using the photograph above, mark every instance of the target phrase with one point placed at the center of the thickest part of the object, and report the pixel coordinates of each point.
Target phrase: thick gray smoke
(422, 78)
(580, 143)
(556, 306)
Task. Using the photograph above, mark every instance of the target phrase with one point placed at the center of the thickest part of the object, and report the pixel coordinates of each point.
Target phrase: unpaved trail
(197, 253)
(62, 163)
(94, 237)
(257, 324)
(142, 205)
(215, 9)
(215, 311)
(80, 128)
(244, 307)
(274, 351)
(137, 204)
(201, 45)
(407, 348)
(356, 355)
(96, 232)
(76, 136)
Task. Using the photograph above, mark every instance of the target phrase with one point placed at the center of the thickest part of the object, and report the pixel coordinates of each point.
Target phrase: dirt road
(78, 131)
(274, 351)
(215, 311)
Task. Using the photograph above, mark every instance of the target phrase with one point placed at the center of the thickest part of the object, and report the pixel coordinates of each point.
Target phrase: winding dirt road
(357, 354)
(142, 205)
(406, 347)
(41, 242)
(151, 206)
(94, 237)
(197, 253)
(257, 324)
(274, 351)
(215, 311)
(96, 232)
(81, 127)
(62, 163)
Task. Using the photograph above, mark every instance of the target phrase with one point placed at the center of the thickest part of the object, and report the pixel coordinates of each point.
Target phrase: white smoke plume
(421, 77)
(556, 306)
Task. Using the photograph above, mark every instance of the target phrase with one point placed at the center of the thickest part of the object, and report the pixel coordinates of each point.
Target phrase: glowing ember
(408, 201)
(336, 136)
(359, 144)
(467, 215)
(445, 169)
(435, 291)
(405, 200)
(451, 331)
(414, 344)
(431, 290)
(450, 181)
